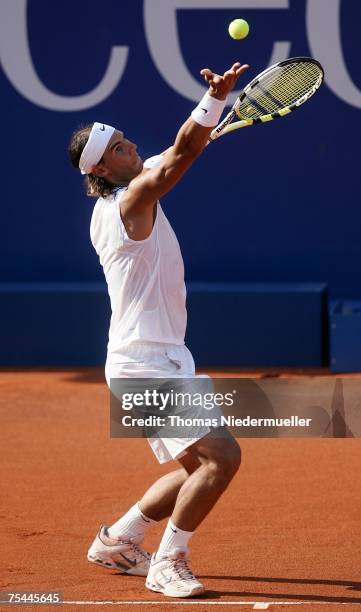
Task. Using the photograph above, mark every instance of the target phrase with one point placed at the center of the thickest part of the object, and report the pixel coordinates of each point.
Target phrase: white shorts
(156, 360)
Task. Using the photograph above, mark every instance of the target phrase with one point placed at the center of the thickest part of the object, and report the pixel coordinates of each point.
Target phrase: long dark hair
(96, 186)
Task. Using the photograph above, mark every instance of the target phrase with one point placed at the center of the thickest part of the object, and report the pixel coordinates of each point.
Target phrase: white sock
(172, 538)
(132, 524)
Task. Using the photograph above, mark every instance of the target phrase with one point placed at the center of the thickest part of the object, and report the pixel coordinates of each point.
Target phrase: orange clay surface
(286, 530)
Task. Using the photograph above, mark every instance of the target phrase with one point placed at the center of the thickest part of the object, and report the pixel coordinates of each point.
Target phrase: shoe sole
(158, 589)
(113, 565)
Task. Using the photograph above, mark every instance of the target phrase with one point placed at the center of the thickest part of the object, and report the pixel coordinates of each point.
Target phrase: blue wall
(279, 202)
(229, 324)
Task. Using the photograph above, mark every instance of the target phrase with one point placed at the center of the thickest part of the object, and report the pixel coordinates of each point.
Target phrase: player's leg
(219, 459)
(119, 545)
(159, 500)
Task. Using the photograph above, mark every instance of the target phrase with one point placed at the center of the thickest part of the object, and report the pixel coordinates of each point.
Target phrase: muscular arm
(143, 192)
(150, 185)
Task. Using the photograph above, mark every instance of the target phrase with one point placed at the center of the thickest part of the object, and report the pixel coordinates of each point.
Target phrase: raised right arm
(144, 191)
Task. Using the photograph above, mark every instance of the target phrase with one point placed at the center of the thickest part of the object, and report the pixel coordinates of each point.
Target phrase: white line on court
(257, 605)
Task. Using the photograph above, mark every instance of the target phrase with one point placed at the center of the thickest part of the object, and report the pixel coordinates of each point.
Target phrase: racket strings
(279, 88)
(294, 82)
(291, 81)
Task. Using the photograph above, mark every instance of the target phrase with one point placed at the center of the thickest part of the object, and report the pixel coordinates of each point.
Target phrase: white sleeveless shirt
(145, 278)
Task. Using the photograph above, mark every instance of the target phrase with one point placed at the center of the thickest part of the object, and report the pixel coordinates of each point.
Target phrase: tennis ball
(238, 28)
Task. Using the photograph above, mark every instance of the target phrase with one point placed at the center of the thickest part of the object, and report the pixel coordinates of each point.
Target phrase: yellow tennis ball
(238, 28)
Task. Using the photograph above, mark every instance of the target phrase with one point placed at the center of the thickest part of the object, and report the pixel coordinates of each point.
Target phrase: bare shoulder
(159, 175)
(139, 190)
(138, 209)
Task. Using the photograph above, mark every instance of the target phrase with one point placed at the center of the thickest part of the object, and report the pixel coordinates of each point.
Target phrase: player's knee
(231, 457)
(225, 461)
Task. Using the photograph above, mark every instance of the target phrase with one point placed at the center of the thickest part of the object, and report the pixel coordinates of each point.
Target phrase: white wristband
(209, 111)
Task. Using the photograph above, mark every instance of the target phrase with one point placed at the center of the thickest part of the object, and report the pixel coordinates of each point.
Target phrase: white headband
(94, 149)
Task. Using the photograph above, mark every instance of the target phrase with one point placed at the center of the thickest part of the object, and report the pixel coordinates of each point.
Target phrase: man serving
(143, 267)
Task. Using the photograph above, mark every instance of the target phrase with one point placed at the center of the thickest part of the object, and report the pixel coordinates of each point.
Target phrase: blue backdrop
(279, 202)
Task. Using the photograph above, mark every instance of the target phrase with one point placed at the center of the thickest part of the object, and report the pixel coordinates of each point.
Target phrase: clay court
(286, 532)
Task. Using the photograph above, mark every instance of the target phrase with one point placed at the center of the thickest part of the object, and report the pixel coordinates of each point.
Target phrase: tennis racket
(274, 93)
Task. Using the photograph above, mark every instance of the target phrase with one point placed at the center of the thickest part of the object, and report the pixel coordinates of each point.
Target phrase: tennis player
(143, 267)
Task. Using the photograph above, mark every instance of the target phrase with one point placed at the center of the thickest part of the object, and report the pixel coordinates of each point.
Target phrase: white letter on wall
(160, 24)
(19, 69)
(323, 19)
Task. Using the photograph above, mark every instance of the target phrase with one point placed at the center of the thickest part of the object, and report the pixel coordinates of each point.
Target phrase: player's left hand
(220, 86)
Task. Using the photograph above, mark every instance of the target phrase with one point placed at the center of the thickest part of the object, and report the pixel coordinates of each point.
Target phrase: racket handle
(218, 130)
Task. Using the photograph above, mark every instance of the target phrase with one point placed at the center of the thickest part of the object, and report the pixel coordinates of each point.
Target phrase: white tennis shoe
(172, 576)
(114, 553)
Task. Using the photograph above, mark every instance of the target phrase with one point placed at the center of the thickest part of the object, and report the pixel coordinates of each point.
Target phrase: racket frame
(228, 125)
